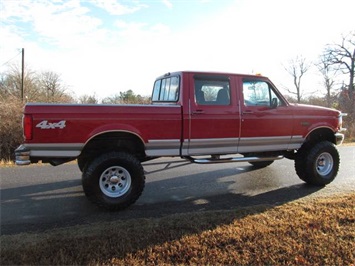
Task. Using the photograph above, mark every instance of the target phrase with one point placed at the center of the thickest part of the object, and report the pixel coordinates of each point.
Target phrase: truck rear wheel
(318, 164)
(114, 180)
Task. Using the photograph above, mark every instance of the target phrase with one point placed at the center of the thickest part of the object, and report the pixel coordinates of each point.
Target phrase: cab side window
(259, 93)
(212, 92)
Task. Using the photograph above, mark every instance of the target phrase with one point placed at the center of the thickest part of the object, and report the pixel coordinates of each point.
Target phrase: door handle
(247, 112)
(198, 112)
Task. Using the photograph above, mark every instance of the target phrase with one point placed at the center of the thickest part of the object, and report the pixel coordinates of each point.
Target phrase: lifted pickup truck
(197, 116)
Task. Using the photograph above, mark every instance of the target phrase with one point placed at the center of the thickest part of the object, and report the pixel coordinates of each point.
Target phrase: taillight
(27, 127)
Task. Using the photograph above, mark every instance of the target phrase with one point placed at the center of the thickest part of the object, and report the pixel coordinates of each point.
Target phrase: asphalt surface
(37, 198)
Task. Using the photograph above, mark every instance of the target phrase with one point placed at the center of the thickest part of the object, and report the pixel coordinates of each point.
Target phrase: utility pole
(23, 73)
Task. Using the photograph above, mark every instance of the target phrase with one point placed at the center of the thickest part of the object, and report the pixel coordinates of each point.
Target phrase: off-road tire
(81, 163)
(114, 180)
(317, 163)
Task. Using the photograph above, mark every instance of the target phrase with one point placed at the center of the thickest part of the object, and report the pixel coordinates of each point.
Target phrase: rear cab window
(166, 90)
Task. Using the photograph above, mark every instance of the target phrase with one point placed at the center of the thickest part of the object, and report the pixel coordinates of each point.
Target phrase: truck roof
(208, 73)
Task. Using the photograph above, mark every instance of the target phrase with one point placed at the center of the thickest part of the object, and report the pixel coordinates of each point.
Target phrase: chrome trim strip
(165, 147)
(102, 105)
(47, 146)
(54, 149)
(212, 150)
(216, 141)
(263, 144)
(242, 145)
(171, 147)
(265, 140)
(115, 131)
(211, 146)
(295, 142)
(54, 153)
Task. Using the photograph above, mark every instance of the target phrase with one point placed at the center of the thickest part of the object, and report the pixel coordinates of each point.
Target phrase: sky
(103, 47)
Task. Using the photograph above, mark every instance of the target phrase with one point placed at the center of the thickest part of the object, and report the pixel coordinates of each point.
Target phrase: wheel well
(321, 134)
(114, 141)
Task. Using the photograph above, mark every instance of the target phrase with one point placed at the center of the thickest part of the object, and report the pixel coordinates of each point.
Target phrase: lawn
(309, 231)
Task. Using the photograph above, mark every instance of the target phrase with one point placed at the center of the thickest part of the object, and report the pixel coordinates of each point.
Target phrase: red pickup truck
(197, 116)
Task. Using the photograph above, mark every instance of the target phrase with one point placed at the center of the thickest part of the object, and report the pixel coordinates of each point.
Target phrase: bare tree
(115, 99)
(329, 73)
(10, 85)
(88, 99)
(297, 68)
(51, 85)
(343, 56)
(126, 97)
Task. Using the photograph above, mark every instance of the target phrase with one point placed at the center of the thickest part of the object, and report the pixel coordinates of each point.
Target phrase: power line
(12, 58)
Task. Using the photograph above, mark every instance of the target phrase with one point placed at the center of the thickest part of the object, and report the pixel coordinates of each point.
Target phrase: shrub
(10, 127)
(349, 124)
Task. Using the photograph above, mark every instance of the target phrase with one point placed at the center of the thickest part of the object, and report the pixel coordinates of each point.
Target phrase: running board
(232, 160)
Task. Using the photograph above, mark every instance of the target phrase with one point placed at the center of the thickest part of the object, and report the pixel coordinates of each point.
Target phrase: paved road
(44, 197)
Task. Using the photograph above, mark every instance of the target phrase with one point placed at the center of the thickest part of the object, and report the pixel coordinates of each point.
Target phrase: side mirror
(274, 103)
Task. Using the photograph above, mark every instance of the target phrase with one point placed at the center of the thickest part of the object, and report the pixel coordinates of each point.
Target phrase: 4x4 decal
(48, 125)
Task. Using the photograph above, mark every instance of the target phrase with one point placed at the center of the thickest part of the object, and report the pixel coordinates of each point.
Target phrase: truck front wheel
(81, 163)
(114, 180)
(317, 164)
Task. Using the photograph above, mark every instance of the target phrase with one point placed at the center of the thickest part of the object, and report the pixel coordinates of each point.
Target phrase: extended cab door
(214, 118)
(267, 122)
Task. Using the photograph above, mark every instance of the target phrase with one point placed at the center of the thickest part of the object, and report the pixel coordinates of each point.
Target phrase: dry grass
(306, 232)
(6, 163)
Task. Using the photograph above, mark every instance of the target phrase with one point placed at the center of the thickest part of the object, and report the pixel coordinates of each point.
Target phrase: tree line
(336, 62)
(48, 87)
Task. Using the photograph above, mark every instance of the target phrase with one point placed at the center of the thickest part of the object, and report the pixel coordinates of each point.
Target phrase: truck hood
(313, 110)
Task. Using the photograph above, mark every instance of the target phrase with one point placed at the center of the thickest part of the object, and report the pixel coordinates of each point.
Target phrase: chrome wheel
(324, 164)
(115, 181)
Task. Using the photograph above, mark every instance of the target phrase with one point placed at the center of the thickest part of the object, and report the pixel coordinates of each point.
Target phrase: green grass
(318, 231)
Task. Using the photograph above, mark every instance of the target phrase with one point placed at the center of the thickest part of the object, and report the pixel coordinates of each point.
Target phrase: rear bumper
(22, 155)
(46, 152)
